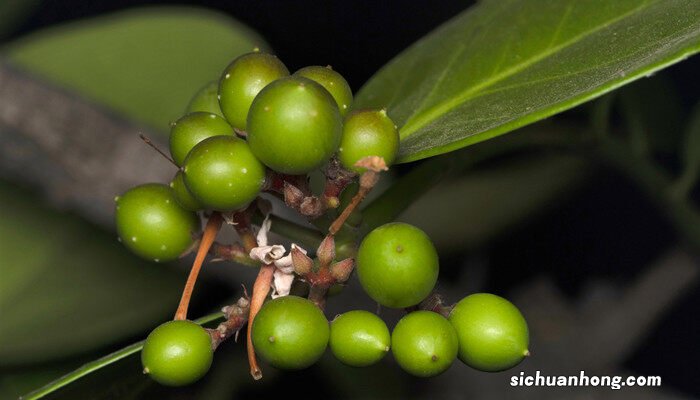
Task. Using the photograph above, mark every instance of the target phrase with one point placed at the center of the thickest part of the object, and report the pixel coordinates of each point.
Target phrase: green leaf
(505, 64)
(70, 288)
(145, 63)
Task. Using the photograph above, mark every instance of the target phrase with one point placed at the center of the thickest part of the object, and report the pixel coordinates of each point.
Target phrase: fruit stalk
(212, 228)
(368, 180)
(261, 287)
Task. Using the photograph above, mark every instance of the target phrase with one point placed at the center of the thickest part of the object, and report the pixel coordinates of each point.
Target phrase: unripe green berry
(294, 126)
(183, 195)
(242, 80)
(206, 100)
(368, 133)
(151, 223)
(290, 332)
(191, 129)
(397, 265)
(359, 338)
(333, 82)
(424, 343)
(177, 353)
(223, 174)
(493, 334)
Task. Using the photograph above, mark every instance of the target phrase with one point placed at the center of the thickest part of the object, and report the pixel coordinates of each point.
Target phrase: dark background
(614, 224)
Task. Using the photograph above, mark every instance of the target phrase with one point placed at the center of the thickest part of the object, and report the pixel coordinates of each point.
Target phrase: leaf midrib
(419, 120)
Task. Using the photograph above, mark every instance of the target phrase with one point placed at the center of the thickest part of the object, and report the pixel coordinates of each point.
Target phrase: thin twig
(154, 147)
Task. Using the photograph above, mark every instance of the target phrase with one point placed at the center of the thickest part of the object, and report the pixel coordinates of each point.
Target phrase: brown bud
(311, 206)
(292, 195)
(301, 262)
(341, 270)
(326, 251)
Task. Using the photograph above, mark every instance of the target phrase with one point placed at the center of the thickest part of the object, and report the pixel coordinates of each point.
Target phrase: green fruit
(182, 194)
(424, 343)
(493, 334)
(290, 332)
(294, 126)
(191, 129)
(242, 80)
(397, 265)
(368, 133)
(177, 353)
(223, 174)
(359, 338)
(206, 100)
(151, 223)
(333, 82)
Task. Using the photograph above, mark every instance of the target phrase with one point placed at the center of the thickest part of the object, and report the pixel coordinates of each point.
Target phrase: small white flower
(275, 254)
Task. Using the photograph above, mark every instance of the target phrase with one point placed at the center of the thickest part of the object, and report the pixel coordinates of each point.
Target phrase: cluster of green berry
(397, 267)
(257, 117)
(257, 124)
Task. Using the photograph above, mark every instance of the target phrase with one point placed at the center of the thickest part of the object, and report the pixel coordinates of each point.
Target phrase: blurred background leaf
(13, 13)
(144, 63)
(690, 153)
(492, 199)
(641, 104)
(68, 288)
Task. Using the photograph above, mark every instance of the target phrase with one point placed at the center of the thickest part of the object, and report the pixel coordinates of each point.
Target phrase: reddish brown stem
(261, 287)
(356, 200)
(317, 294)
(242, 224)
(210, 231)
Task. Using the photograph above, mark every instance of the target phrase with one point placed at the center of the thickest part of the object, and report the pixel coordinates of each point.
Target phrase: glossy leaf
(69, 288)
(504, 64)
(145, 63)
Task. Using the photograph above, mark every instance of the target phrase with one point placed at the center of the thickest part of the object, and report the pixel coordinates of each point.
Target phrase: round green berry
(359, 338)
(177, 353)
(151, 223)
(206, 100)
(223, 174)
(333, 82)
(290, 332)
(397, 265)
(424, 343)
(242, 80)
(183, 195)
(493, 334)
(191, 129)
(294, 126)
(368, 133)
